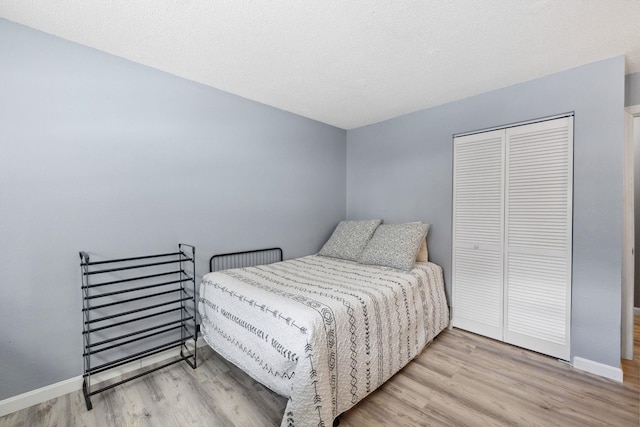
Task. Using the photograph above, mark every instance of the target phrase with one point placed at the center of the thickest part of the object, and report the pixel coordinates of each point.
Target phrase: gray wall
(104, 155)
(632, 89)
(401, 169)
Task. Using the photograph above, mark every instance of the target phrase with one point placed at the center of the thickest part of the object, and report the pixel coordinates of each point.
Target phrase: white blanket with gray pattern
(321, 331)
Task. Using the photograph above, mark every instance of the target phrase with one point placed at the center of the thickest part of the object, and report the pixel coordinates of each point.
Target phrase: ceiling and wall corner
(348, 64)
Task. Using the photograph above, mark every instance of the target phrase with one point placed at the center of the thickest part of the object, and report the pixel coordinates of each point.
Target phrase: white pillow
(423, 252)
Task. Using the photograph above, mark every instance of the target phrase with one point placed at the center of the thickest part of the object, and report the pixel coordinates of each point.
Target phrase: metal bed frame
(169, 307)
(245, 259)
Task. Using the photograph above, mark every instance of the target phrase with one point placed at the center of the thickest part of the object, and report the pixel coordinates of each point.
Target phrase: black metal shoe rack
(134, 308)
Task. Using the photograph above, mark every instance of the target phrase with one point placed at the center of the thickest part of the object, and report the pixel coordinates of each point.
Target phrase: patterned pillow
(394, 245)
(349, 239)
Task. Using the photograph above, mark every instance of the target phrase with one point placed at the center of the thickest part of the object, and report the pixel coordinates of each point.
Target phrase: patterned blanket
(321, 331)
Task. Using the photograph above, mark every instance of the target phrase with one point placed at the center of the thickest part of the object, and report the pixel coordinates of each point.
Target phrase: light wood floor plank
(461, 379)
(631, 368)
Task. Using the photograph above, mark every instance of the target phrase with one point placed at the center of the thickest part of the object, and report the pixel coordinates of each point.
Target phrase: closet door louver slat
(478, 233)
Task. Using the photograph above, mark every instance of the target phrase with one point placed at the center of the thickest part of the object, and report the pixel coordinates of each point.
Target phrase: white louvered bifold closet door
(538, 236)
(478, 208)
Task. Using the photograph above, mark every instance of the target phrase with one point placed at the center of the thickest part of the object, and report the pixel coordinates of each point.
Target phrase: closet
(512, 234)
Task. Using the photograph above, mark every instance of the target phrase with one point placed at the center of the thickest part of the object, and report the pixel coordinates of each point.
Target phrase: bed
(322, 331)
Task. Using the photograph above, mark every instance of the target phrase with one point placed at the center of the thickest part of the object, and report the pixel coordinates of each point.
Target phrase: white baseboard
(30, 398)
(597, 368)
(34, 397)
(636, 311)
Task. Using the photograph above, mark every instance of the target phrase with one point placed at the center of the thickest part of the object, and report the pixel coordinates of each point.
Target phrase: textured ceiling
(347, 63)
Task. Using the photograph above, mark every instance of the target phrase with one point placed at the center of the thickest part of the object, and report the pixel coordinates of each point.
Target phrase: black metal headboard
(244, 259)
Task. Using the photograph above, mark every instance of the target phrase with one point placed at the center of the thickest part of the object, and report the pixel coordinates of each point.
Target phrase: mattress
(320, 331)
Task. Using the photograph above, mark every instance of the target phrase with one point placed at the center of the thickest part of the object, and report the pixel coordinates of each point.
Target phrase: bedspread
(321, 331)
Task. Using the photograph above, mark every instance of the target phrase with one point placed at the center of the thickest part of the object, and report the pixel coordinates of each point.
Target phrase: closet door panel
(536, 312)
(478, 233)
(538, 200)
(478, 292)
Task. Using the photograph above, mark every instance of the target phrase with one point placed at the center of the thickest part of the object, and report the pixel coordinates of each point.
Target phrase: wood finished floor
(631, 368)
(461, 379)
